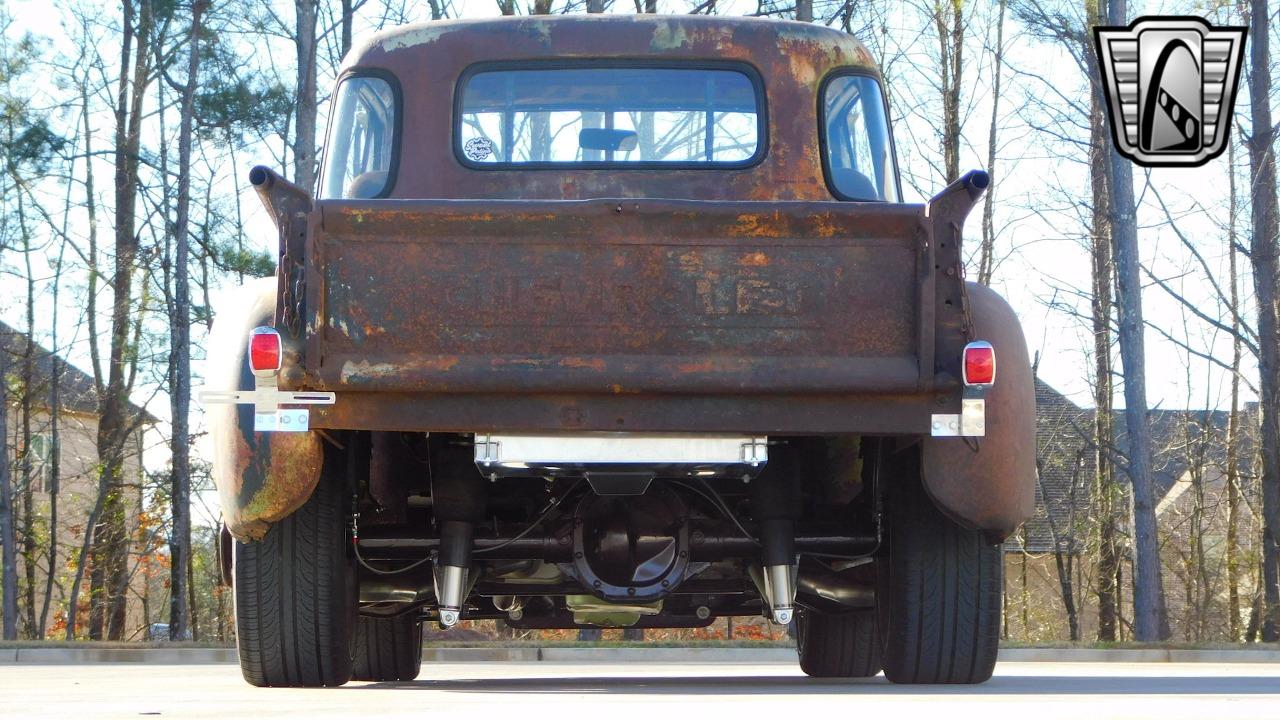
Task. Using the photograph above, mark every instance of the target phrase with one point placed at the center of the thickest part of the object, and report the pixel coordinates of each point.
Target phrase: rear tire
(295, 596)
(837, 646)
(387, 649)
(939, 597)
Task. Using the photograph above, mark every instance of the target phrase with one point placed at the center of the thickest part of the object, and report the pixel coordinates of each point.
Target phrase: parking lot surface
(1030, 691)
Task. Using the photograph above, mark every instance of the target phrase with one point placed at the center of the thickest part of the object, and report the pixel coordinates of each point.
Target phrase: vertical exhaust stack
(289, 206)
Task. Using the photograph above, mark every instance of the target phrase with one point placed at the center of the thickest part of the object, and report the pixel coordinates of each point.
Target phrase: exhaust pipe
(281, 197)
(823, 589)
(956, 200)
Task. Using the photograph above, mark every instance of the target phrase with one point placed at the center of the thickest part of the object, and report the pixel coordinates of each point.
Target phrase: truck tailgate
(613, 296)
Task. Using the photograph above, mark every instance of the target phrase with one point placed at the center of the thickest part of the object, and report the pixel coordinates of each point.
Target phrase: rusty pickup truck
(617, 322)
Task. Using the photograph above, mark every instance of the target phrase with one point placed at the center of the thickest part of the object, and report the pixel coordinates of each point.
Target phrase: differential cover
(631, 548)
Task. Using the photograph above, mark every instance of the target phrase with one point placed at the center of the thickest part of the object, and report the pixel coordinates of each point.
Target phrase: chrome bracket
(266, 399)
(488, 450)
(971, 422)
(755, 452)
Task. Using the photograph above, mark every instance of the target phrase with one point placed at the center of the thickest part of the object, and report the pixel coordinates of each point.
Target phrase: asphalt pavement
(655, 691)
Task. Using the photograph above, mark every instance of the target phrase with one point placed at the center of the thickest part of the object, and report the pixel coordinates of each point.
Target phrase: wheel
(387, 648)
(939, 591)
(837, 646)
(295, 596)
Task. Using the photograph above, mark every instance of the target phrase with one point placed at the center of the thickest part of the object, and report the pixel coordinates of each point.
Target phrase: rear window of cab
(609, 116)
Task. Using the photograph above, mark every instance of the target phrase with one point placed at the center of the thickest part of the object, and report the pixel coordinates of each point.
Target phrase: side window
(358, 152)
(41, 461)
(859, 157)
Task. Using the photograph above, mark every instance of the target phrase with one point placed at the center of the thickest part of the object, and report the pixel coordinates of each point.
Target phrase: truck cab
(603, 321)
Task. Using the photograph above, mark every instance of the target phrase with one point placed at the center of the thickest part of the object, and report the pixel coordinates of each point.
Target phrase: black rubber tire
(939, 592)
(295, 596)
(385, 649)
(837, 646)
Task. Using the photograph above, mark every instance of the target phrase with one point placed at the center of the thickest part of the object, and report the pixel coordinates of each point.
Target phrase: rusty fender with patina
(261, 477)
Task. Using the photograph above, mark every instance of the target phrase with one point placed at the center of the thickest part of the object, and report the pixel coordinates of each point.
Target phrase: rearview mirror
(607, 139)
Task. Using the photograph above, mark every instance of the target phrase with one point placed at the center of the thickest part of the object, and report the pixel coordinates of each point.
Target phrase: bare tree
(1150, 618)
(1233, 420)
(8, 534)
(305, 107)
(109, 575)
(180, 334)
(949, 23)
(986, 250)
(1263, 252)
(1109, 497)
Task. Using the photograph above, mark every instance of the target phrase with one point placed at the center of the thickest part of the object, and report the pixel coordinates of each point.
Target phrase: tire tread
(295, 597)
(940, 596)
(387, 649)
(837, 645)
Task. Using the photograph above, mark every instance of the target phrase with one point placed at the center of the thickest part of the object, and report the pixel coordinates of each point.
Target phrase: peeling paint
(411, 36)
(668, 36)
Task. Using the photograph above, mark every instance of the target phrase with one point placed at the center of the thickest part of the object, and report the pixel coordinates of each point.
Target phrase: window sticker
(478, 149)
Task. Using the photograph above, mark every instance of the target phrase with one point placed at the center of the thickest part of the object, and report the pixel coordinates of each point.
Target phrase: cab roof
(684, 36)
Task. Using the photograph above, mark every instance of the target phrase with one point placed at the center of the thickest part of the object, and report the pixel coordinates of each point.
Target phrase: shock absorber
(778, 539)
(775, 504)
(459, 495)
(451, 569)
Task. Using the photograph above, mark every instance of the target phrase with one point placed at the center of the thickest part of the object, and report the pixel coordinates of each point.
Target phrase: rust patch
(584, 363)
(285, 472)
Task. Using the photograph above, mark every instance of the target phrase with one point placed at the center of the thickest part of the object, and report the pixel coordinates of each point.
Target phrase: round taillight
(265, 354)
(979, 363)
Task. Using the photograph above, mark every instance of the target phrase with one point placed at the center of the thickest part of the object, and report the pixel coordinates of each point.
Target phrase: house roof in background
(76, 390)
(1066, 462)
(1065, 469)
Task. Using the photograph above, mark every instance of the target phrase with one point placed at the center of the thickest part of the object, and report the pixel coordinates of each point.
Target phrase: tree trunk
(1149, 617)
(1060, 560)
(986, 252)
(304, 141)
(55, 419)
(8, 534)
(1108, 495)
(26, 494)
(948, 22)
(348, 17)
(804, 10)
(1233, 420)
(1263, 252)
(91, 313)
(109, 577)
(180, 334)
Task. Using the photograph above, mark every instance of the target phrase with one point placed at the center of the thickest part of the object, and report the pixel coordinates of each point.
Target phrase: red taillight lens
(979, 363)
(264, 350)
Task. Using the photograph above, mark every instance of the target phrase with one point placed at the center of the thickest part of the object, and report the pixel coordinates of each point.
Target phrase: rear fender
(988, 483)
(261, 477)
